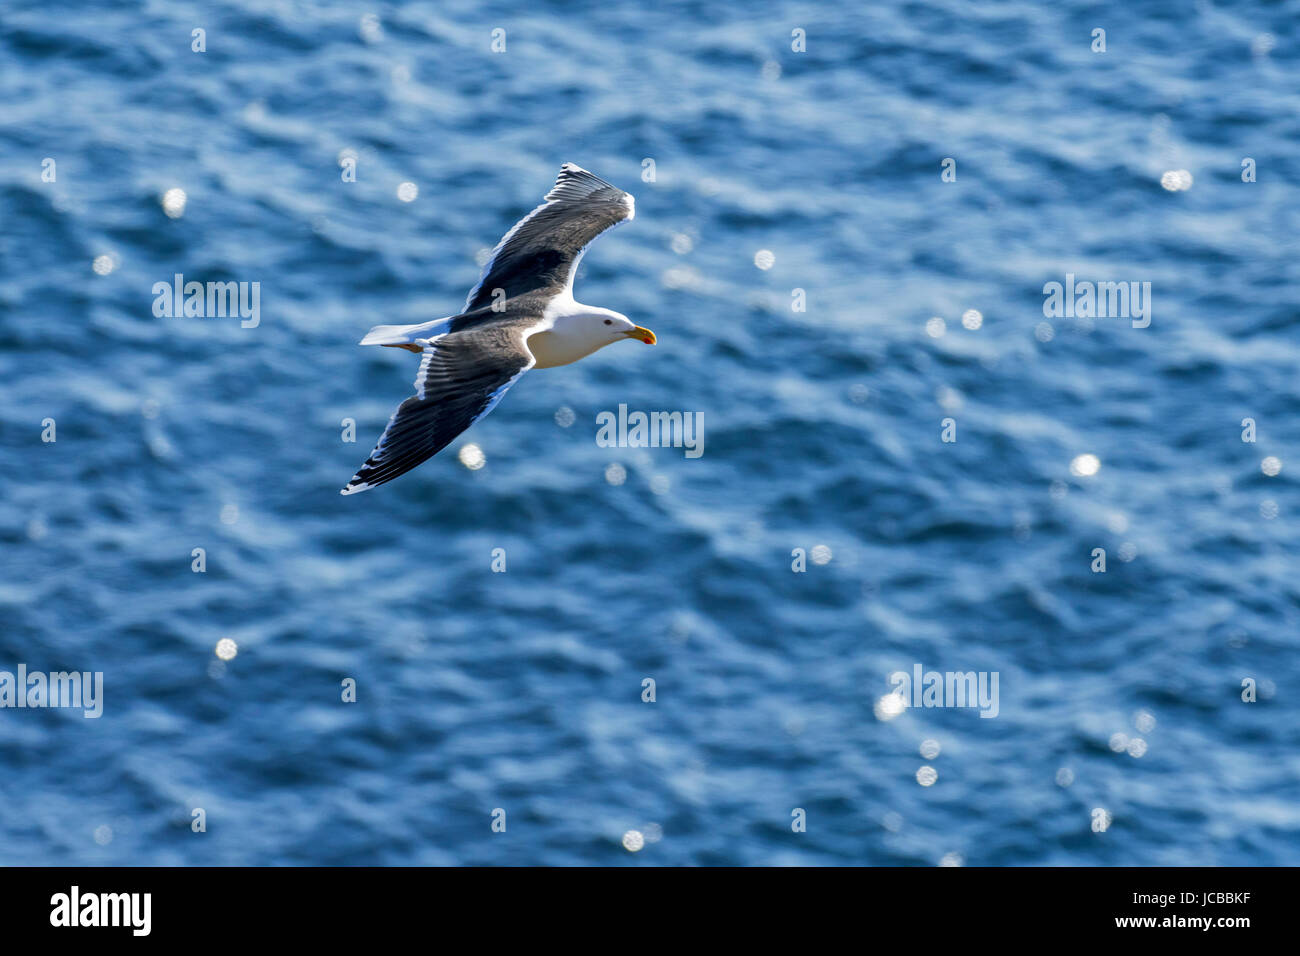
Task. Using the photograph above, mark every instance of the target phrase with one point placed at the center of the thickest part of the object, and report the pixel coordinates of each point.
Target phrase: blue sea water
(1121, 735)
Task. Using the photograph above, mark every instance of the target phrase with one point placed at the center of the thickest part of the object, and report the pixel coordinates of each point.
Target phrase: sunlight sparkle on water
(949, 399)
(370, 29)
(1084, 466)
(472, 457)
(890, 706)
(681, 278)
(173, 202)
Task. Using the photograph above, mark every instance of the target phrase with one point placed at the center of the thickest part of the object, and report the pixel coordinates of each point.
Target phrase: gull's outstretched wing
(462, 377)
(542, 250)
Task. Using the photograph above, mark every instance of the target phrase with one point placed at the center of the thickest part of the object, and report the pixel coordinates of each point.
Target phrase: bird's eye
(609, 321)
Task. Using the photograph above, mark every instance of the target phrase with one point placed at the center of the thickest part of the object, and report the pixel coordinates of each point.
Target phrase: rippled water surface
(1121, 736)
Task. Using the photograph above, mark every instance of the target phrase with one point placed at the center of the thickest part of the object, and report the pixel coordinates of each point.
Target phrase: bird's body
(521, 315)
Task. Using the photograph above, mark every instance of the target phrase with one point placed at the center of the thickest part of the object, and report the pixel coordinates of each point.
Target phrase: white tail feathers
(405, 334)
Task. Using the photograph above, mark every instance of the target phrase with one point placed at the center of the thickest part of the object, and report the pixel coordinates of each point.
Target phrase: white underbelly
(551, 350)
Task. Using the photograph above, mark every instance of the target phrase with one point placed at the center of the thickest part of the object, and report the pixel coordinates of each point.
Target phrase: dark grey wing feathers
(462, 376)
(542, 249)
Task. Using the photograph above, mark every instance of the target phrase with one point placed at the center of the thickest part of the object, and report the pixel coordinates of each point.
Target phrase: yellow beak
(645, 335)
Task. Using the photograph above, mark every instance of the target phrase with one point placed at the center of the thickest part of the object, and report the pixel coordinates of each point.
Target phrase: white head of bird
(580, 332)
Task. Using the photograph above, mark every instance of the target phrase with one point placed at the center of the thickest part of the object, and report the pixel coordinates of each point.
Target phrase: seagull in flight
(521, 315)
